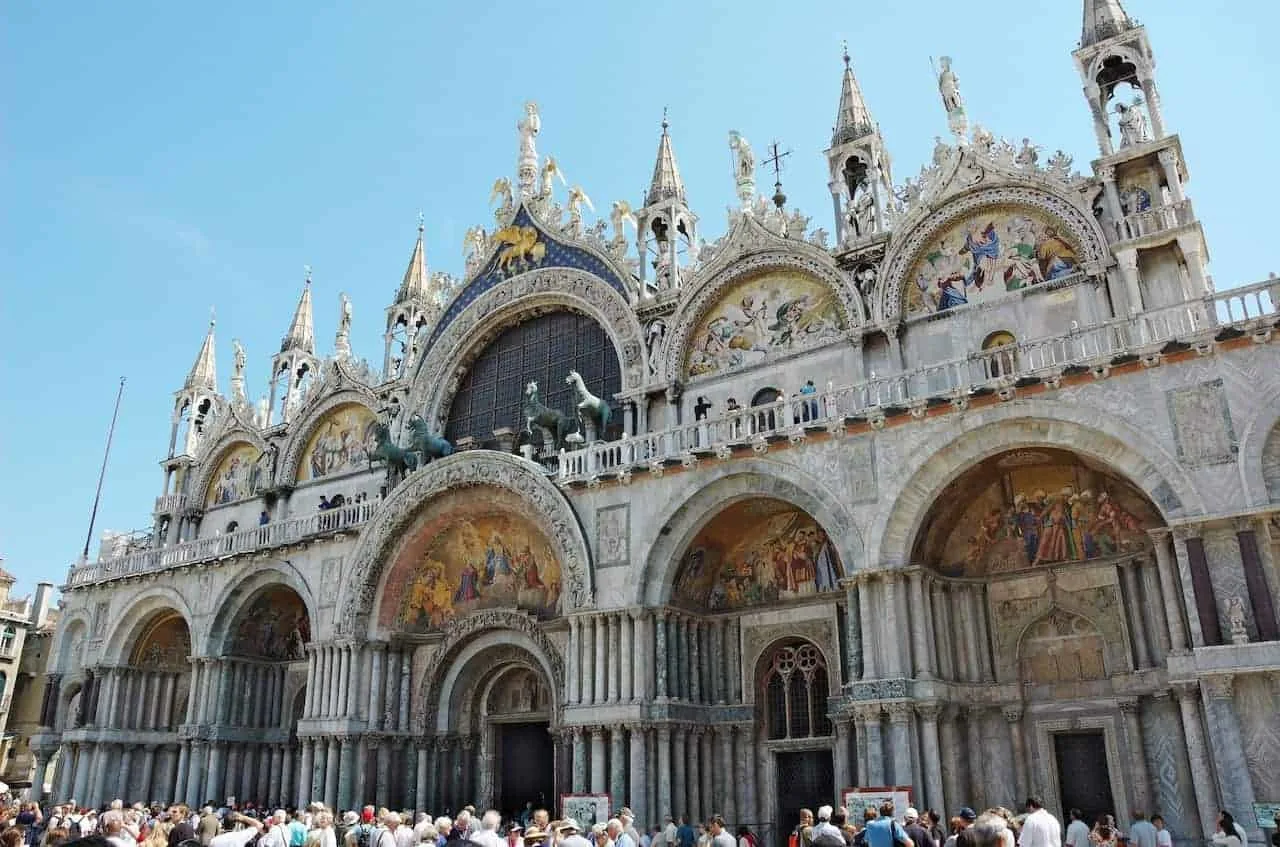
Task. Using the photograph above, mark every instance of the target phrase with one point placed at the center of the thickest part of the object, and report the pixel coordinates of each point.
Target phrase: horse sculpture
(546, 418)
(523, 248)
(428, 447)
(589, 405)
(399, 460)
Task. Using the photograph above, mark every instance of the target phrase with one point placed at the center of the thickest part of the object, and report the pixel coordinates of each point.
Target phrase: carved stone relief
(1202, 424)
(613, 535)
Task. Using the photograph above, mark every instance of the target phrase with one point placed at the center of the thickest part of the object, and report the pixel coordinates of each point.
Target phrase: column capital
(1168, 156)
(468, 742)
(868, 711)
(1128, 705)
(1183, 532)
(1186, 690)
(664, 733)
(929, 710)
(1012, 712)
(1219, 686)
(1247, 524)
(899, 712)
(1107, 173)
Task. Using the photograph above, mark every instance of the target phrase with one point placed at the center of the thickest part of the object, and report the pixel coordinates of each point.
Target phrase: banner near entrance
(587, 809)
(857, 799)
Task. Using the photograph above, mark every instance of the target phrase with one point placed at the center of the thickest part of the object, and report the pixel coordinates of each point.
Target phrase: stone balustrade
(275, 534)
(1155, 220)
(170, 504)
(953, 381)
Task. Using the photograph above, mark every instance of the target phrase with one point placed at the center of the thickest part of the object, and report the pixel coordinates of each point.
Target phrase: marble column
(382, 791)
(1154, 609)
(123, 786)
(942, 624)
(679, 652)
(346, 779)
(1191, 595)
(840, 760)
(1170, 596)
(917, 619)
(305, 771)
(579, 761)
(276, 790)
(217, 767)
(660, 667)
(422, 762)
(66, 770)
(852, 629)
(890, 624)
(601, 660)
(1234, 783)
(693, 774)
(1260, 600)
(627, 658)
(639, 774)
(1188, 694)
(406, 677)
(707, 768)
(734, 654)
(588, 662)
(725, 734)
(80, 786)
(615, 659)
(869, 638)
(679, 776)
(750, 810)
(180, 772)
(976, 752)
(376, 686)
(1139, 778)
(1131, 585)
(980, 612)
(618, 762)
(930, 755)
(663, 776)
(572, 665)
(869, 715)
(900, 741)
(1018, 744)
(695, 660)
(599, 777)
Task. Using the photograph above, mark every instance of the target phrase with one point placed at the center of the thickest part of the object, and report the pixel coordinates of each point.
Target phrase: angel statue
(238, 373)
(744, 167)
(949, 88)
(501, 190)
(1133, 124)
(344, 321)
(550, 171)
(577, 197)
(475, 244)
(528, 127)
(620, 216)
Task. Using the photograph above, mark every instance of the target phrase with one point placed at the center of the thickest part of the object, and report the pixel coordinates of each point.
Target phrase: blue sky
(162, 158)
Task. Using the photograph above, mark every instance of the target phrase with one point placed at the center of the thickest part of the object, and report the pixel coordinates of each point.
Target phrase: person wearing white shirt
(277, 834)
(233, 837)
(1040, 829)
(488, 834)
(1077, 831)
(114, 829)
(1141, 832)
(1164, 838)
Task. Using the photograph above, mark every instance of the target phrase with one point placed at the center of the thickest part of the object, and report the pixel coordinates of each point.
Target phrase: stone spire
(301, 334)
(204, 373)
(853, 120)
(1102, 20)
(415, 285)
(666, 183)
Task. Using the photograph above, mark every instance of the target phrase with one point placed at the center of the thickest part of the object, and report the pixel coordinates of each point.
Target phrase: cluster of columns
(671, 768)
(237, 692)
(369, 681)
(637, 655)
(130, 698)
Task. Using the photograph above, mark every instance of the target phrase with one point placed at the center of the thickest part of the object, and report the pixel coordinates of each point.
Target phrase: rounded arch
(547, 507)
(67, 653)
(138, 617)
(1130, 454)
(237, 599)
(440, 372)
(1259, 456)
(313, 418)
(237, 441)
(1064, 645)
(478, 644)
(1079, 223)
(751, 263)
(729, 483)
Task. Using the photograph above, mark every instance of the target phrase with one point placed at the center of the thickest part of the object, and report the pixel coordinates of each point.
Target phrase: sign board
(858, 799)
(1265, 814)
(587, 809)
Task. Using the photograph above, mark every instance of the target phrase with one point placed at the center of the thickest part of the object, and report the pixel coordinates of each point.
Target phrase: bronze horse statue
(399, 460)
(428, 447)
(545, 418)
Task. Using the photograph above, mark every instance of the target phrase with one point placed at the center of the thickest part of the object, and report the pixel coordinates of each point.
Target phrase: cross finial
(664, 119)
(421, 221)
(844, 44)
(777, 154)
(213, 316)
(306, 269)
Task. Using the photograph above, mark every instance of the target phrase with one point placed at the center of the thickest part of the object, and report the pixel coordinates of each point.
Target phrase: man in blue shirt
(685, 835)
(884, 831)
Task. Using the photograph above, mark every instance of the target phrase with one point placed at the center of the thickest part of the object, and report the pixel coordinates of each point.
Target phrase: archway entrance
(518, 713)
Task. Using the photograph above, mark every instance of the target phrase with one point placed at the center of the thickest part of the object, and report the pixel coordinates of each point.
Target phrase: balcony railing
(277, 534)
(1156, 220)
(170, 504)
(956, 380)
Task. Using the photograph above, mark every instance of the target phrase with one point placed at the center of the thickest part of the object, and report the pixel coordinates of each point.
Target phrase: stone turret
(195, 404)
(861, 179)
(295, 367)
(666, 230)
(417, 305)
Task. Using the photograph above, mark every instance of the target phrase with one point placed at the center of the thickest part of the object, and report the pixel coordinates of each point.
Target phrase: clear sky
(162, 158)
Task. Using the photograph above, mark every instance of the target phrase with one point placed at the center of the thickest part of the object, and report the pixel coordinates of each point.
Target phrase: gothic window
(1000, 359)
(543, 350)
(795, 693)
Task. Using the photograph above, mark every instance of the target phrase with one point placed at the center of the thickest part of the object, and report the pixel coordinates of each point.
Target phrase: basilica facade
(976, 494)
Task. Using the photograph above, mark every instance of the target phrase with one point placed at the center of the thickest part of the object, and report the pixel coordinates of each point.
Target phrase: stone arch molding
(1083, 229)
(1077, 428)
(546, 506)
(441, 371)
(209, 463)
(511, 632)
(738, 481)
(1254, 457)
(312, 417)
(133, 621)
(754, 256)
(235, 597)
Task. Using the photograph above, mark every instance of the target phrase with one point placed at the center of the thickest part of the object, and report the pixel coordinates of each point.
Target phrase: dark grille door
(1083, 777)
(526, 759)
(543, 350)
(805, 780)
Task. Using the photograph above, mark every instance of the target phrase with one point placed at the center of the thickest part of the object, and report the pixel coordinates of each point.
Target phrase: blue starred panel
(554, 253)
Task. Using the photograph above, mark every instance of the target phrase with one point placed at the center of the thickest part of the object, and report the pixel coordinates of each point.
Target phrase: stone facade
(898, 511)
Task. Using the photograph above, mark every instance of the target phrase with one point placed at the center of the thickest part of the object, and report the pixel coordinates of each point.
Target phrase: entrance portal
(1083, 778)
(803, 780)
(526, 768)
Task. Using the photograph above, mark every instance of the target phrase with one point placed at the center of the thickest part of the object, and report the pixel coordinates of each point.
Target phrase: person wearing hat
(915, 830)
(570, 834)
(534, 836)
(962, 823)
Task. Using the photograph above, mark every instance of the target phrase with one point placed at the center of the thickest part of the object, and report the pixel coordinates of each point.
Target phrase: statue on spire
(949, 88)
(527, 164)
(744, 169)
(342, 343)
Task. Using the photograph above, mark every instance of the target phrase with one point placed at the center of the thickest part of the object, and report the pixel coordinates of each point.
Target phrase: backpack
(73, 826)
(363, 833)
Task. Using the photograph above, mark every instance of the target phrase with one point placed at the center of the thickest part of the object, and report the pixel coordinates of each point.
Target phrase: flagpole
(102, 474)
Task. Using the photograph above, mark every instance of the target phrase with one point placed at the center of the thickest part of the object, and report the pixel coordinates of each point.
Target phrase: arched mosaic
(756, 552)
(768, 314)
(340, 443)
(239, 475)
(988, 253)
(164, 645)
(1033, 507)
(474, 551)
(275, 625)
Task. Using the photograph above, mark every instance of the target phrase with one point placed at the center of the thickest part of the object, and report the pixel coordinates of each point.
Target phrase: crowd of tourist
(231, 825)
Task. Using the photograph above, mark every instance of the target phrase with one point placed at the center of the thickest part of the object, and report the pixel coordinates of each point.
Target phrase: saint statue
(238, 373)
(344, 322)
(744, 167)
(949, 88)
(1133, 124)
(528, 127)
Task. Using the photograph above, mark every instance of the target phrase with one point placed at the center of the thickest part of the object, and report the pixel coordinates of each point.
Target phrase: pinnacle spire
(301, 334)
(204, 372)
(666, 182)
(1103, 19)
(414, 286)
(853, 118)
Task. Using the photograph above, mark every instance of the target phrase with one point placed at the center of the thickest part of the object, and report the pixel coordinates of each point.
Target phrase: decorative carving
(1202, 423)
(1236, 621)
(546, 506)
(613, 535)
